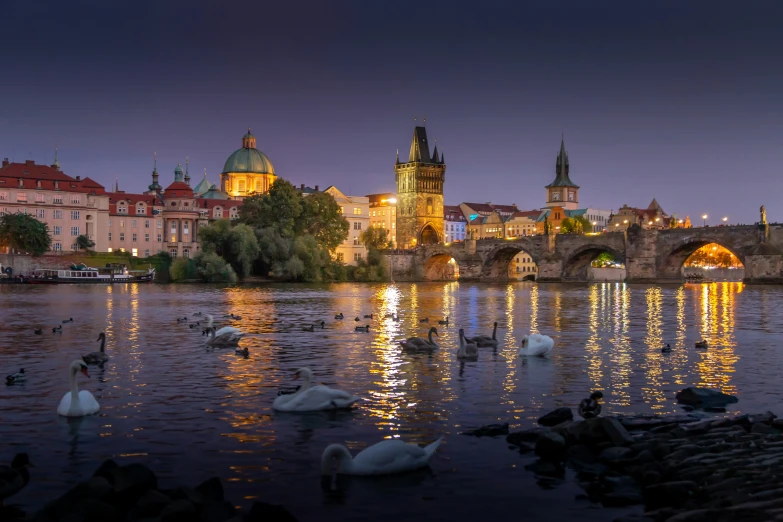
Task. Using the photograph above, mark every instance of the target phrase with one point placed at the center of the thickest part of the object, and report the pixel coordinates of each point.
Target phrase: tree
(575, 225)
(603, 259)
(22, 233)
(279, 210)
(235, 244)
(179, 269)
(84, 242)
(375, 238)
(213, 269)
(321, 218)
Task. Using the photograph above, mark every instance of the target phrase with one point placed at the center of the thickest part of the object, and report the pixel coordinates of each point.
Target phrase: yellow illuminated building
(383, 214)
(247, 171)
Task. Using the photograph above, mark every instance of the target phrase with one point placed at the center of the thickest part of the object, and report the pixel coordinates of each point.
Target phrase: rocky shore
(683, 468)
(130, 493)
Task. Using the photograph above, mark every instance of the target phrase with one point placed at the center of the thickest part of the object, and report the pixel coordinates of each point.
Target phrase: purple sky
(680, 103)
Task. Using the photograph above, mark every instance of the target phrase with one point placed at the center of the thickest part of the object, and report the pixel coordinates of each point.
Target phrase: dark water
(190, 413)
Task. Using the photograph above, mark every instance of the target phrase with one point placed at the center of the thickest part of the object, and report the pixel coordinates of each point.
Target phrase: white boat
(84, 274)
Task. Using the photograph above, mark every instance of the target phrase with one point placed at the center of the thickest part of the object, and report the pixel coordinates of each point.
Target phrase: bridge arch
(576, 267)
(670, 265)
(497, 264)
(440, 265)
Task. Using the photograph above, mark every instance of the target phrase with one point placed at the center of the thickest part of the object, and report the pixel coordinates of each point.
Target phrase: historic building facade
(356, 210)
(420, 194)
(454, 224)
(247, 171)
(383, 214)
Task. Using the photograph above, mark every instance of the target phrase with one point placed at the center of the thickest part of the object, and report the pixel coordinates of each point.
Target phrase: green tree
(575, 225)
(212, 268)
(279, 210)
(180, 269)
(22, 233)
(236, 244)
(84, 242)
(375, 238)
(603, 259)
(321, 218)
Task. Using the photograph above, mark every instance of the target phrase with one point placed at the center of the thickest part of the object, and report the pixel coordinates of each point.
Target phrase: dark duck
(589, 408)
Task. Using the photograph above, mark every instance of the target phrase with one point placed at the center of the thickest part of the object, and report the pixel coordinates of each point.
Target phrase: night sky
(681, 102)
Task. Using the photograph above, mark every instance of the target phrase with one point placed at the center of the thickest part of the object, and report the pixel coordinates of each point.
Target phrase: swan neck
(74, 386)
(103, 344)
(343, 456)
(429, 336)
(494, 331)
(306, 381)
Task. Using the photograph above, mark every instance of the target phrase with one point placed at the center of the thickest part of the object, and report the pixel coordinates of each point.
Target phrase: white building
(383, 214)
(599, 219)
(454, 224)
(356, 210)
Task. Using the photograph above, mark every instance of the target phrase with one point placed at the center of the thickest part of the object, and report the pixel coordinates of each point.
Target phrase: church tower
(562, 192)
(420, 194)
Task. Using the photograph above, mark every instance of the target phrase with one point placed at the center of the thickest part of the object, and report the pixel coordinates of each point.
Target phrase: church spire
(398, 157)
(56, 164)
(562, 169)
(155, 186)
(187, 174)
(116, 185)
(435, 154)
(420, 149)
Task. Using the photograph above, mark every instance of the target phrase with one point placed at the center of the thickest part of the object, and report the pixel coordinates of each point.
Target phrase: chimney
(302, 189)
(316, 188)
(29, 162)
(78, 178)
(5, 162)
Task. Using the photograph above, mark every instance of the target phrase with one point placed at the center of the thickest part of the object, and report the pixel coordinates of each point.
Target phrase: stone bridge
(649, 255)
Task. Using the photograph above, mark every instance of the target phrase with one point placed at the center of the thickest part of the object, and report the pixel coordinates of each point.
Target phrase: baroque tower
(420, 194)
(562, 192)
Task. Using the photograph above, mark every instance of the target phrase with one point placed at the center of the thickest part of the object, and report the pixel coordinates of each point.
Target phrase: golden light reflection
(593, 352)
(679, 354)
(652, 389)
(716, 365)
(534, 310)
(621, 356)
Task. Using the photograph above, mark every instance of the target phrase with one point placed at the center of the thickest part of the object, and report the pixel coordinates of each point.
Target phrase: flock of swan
(385, 457)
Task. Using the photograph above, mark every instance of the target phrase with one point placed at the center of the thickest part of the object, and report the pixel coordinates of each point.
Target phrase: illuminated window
(357, 211)
(135, 252)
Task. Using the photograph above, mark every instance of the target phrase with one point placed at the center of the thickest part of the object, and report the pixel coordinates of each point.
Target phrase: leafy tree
(213, 269)
(575, 225)
(22, 233)
(236, 244)
(180, 269)
(321, 218)
(375, 238)
(279, 210)
(603, 259)
(84, 242)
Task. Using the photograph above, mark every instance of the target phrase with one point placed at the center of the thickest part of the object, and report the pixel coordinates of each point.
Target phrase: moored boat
(84, 274)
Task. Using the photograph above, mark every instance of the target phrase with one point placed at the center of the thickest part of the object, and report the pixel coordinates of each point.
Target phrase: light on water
(190, 412)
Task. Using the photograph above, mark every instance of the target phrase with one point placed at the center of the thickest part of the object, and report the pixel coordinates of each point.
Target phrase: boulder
(668, 494)
(150, 504)
(179, 511)
(211, 490)
(704, 398)
(550, 446)
(764, 428)
(490, 430)
(558, 416)
(519, 437)
(263, 512)
(588, 432)
(615, 453)
(616, 432)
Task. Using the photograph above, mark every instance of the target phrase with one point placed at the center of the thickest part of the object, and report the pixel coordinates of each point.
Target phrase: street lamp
(704, 217)
(725, 219)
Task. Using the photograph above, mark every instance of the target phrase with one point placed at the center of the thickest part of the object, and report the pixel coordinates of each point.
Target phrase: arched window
(429, 206)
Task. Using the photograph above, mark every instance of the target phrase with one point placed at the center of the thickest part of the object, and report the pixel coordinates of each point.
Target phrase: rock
(766, 417)
(668, 494)
(558, 416)
(704, 397)
(615, 453)
(97, 511)
(696, 515)
(777, 424)
(218, 511)
(633, 518)
(185, 494)
(550, 446)
(547, 468)
(263, 512)
(178, 511)
(714, 409)
(490, 430)
(588, 432)
(763, 428)
(650, 477)
(211, 490)
(106, 470)
(518, 437)
(580, 453)
(616, 432)
(150, 504)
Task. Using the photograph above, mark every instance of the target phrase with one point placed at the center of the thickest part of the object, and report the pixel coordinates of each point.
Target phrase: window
(135, 237)
(146, 238)
(357, 211)
(122, 236)
(185, 228)
(76, 200)
(429, 206)
(146, 223)
(147, 252)
(57, 187)
(173, 252)
(357, 225)
(110, 250)
(40, 213)
(135, 252)
(259, 185)
(121, 208)
(75, 231)
(57, 199)
(75, 215)
(40, 198)
(356, 241)
(109, 222)
(218, 212)
(240, 185)
(134, 224)
(185, 252)
(57, 230)
(357, 257)
(74, 247)
(122, 223)
(342, 210)
(58, 214)
(160, 223)
(57, 246)
(173, 227)
(109, 236)
(21, 197)
(160, 238)
(140, 208)
(340, 257)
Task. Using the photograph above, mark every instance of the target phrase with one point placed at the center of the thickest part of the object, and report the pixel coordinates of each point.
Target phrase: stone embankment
(130, 493)
(683, 468)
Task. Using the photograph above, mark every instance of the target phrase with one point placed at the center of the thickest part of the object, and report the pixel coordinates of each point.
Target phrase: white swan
(225, 339)
(384, 458)
(313, 398)
(224, 330)
(484, 341)
(466, 350)
(536, 345)
(77, 403)
(417, 343)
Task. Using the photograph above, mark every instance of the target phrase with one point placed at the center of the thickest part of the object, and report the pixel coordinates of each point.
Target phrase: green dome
(248, 160)
(214, 193)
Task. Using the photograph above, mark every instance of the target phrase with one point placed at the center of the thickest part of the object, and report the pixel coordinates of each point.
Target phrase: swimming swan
(466, 350)
(223, 330)
(384, 458)
(484, 341)
(313, 398)
(77, 403)
(417, 343)
(99, 357)
(536, 345)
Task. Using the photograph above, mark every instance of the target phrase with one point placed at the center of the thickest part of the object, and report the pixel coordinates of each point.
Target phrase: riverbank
(131, 493)
(684, 468)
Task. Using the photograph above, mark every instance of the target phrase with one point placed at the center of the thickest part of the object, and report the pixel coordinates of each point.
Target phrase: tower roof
(420, 149)
(435, 154)
(561, 169)
(203, 185)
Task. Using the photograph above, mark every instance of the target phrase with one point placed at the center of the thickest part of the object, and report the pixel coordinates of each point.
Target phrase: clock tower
(562, 192)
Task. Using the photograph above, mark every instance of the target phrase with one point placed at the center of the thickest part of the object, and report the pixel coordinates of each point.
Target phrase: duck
(224, 330)
(197, 323)
(15, 477)
(57, 329)
(197, 314)
(225, 339)
(484, 341)
(395, 318)
(68, 320)
(444, 321)
(243, 351)
(313, 398)
(425, 320)
(232, 316)
(666, 349)
(589, 408)
(386, 457)
(536, 345)
(388, 316)
(365, 328)
(368, 316)
(356, 319)
(38, 331)
(77, 403)
(310, 328)
(182, 320)
(16, 377)
(417, 343)
(100, 356)
(466, 350)
(339, 316)
(701, 344)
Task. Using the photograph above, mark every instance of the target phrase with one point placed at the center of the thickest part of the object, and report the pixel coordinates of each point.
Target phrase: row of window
(380, 212)
(357, 211)
(356, 257)
(75, 199)
(526, 269)
(134, 237)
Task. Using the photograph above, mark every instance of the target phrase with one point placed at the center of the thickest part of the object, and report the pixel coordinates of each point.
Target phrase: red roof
(453, 213)
(212, 203)
(179, 189)
(43, 177)
(131, 200)
(532, 214)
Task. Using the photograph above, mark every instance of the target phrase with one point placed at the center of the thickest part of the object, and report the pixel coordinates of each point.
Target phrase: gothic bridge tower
(420, 194)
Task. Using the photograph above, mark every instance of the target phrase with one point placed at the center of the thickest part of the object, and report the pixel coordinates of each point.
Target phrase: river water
(190, 413)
